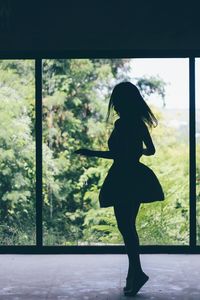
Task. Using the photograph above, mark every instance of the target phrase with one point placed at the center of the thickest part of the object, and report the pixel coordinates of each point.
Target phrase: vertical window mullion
(38, 130)
(192, 158)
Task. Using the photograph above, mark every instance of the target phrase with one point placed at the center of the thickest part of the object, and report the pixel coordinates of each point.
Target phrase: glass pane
(75, 99)
(167, 222)
(17, 152)
(197, 80)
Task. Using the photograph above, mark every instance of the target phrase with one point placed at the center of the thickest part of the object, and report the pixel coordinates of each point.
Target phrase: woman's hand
(148, 152)
(85, 152)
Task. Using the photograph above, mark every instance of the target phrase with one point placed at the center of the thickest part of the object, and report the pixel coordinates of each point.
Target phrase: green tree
(17, 153)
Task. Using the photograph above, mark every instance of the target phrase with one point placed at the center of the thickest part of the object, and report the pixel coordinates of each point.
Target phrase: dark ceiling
(96, 25)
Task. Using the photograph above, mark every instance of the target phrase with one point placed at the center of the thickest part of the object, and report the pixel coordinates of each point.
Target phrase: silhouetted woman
(129, 182)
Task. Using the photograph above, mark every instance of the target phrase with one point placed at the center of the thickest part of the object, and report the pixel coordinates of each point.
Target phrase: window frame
(192, 248)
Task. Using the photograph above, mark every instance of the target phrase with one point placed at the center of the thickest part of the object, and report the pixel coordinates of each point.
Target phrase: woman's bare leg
(126, 214)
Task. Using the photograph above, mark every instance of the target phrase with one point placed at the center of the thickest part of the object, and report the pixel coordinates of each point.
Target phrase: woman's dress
(128, 179)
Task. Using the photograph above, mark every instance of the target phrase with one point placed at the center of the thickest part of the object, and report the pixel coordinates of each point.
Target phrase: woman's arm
(94, 153)
(150, 149)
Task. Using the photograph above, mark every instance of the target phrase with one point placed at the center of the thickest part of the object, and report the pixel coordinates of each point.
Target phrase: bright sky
(173, 71)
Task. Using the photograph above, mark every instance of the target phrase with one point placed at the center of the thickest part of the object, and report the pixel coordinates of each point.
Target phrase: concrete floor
(96, 277)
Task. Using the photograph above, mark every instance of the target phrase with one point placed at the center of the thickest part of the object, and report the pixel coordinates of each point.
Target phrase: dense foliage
(75, 99)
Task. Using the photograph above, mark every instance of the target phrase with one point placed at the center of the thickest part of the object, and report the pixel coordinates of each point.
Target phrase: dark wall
(94, 25)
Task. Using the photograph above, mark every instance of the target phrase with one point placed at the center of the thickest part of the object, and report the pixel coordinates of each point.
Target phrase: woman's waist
(126, 161)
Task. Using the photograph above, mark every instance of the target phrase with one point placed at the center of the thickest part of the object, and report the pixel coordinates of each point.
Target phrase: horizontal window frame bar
(104, 53)
(150, 249)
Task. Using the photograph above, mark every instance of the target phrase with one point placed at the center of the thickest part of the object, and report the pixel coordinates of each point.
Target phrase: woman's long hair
(126, 98)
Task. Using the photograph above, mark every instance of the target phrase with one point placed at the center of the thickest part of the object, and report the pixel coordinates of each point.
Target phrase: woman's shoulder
(129, 127)
(122, 124)
(133, 124)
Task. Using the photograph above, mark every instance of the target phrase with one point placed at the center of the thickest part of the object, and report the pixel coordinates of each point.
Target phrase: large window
(75, 99)
(59, 206)
(17, 152)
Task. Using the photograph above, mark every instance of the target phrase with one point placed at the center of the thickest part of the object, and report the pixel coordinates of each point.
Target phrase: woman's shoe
(128, 284)
(136, 285)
